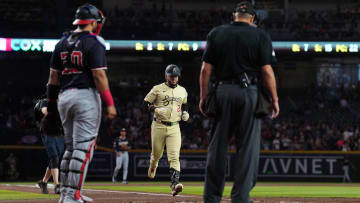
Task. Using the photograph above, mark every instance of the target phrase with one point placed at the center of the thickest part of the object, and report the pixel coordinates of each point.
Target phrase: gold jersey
(163, 96)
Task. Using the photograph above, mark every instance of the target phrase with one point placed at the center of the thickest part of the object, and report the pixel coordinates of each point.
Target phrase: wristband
(107, 97)
(52, 92)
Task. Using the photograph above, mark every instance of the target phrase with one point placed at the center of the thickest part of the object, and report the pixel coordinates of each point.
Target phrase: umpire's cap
(173, 70)
(245, 7)
(88, 13)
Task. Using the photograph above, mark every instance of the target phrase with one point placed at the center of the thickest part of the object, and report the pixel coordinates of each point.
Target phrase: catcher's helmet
(87, 14)
(173, 70)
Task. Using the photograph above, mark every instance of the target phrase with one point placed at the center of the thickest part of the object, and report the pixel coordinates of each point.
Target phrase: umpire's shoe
(43, 187)
(176, 186)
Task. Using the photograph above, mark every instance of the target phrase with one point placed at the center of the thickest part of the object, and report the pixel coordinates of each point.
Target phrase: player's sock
(79, 164)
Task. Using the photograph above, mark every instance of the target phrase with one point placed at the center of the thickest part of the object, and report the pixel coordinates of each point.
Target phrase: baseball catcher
(77, 83)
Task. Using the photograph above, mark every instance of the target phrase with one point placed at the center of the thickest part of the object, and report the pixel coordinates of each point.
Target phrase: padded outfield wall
(319, 166)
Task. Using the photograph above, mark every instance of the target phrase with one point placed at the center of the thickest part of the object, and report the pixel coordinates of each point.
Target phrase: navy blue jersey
(118, 142)
(75, 56)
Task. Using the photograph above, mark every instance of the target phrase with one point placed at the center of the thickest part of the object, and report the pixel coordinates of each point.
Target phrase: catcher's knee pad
(54, 162)
(80, 159)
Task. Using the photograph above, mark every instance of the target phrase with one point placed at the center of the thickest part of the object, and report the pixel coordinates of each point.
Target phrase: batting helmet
(173, 70)
(87, 14)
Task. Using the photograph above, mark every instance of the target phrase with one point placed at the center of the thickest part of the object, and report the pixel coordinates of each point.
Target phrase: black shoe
(57, 189)
(43, 187)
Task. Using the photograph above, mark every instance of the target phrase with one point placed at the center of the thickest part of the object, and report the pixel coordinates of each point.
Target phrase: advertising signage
(146, 46)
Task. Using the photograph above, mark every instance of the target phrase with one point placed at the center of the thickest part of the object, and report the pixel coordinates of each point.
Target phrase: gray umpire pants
(236, 117)
(80, 112)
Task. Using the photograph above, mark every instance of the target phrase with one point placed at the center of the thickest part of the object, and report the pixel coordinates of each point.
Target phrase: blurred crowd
(322, 118)
(164, 21)
(324, 25)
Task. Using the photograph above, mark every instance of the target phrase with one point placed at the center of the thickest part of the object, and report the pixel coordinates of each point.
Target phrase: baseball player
(168, 102)
(121, 146)
(54, 145)
(77, 71)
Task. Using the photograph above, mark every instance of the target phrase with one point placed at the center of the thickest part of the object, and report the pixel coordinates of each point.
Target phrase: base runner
(168, 101)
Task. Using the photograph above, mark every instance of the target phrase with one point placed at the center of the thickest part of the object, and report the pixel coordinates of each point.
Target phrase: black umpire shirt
(236, 48)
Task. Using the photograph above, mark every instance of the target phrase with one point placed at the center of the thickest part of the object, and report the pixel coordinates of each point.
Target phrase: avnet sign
(300, 166)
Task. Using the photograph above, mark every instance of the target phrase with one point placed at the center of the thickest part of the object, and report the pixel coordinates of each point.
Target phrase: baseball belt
(166, 123)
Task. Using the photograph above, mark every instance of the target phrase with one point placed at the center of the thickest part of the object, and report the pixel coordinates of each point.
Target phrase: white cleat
(83, 199)
(177, 189)
(62, 197)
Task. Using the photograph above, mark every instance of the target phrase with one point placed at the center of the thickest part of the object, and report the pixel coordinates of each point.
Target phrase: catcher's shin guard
(64, 170)
(81, 157)
(176, 186)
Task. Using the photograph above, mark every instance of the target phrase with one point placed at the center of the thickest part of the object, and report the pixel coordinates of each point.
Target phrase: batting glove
(160, 111)
(185, 116)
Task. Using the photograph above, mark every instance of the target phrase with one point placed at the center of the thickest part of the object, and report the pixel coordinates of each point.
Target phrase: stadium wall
(320, 166)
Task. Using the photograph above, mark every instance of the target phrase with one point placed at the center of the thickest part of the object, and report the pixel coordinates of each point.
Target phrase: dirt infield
(106, 196)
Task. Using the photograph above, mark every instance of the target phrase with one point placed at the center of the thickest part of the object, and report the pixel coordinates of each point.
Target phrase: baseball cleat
(151, 173)
(43, 187)
(61, 199)
(86, 199)
(125, 182)
(177, 189)
(83, 199)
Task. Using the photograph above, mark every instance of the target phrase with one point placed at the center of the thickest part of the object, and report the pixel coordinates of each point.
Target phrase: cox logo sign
(25, 45)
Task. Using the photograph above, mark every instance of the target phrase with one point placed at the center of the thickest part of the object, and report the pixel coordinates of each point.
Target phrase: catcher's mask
(87, 14)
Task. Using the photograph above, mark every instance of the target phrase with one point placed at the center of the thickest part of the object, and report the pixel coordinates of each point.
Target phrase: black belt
(251, 81)
(166, 123)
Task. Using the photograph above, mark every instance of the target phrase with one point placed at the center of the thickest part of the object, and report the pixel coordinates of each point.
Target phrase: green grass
(15, 195)
(300, 190)
(337, 190)
(306, 191)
